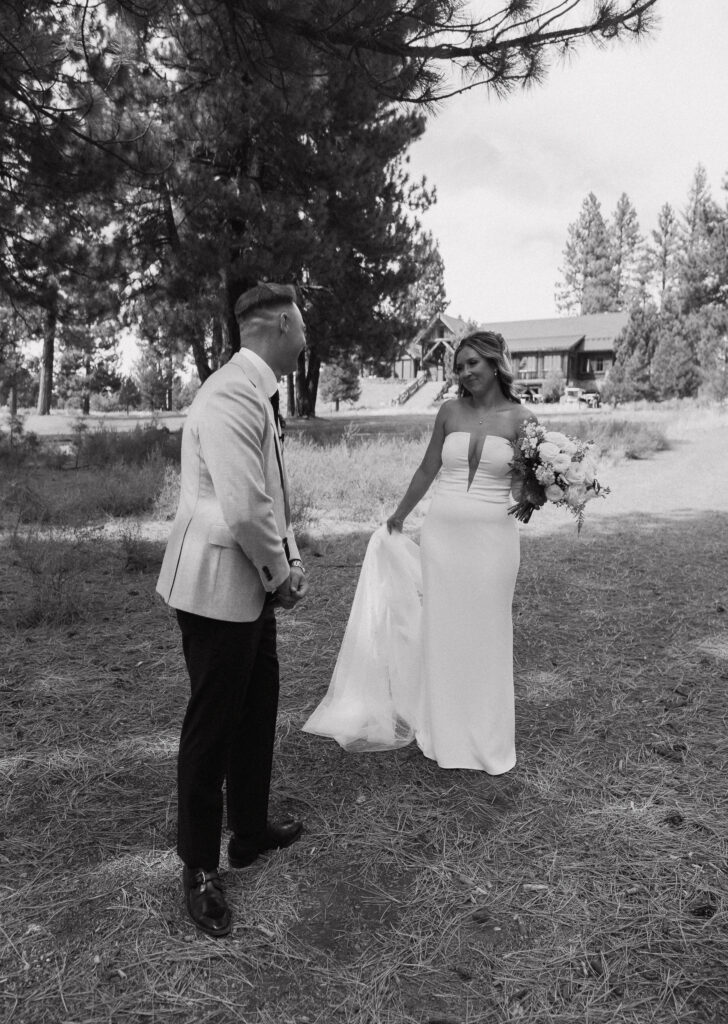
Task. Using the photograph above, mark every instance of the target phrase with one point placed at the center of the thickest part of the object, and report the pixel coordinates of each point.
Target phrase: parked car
(571, 396)
(578, 396)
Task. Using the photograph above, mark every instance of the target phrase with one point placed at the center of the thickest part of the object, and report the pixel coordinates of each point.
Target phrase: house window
(527, 367)
(599, 365)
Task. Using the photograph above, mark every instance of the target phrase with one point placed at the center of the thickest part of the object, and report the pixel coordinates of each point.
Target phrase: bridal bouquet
(554, 468)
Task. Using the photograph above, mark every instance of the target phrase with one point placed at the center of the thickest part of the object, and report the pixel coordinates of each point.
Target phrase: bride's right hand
(395, 522)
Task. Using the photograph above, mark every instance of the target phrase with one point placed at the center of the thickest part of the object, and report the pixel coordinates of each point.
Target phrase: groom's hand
(292, 590)
(299, 582)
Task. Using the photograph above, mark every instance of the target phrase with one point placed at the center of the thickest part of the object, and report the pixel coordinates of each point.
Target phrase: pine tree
(703, 246)
(217, 119)
(75, 52)
(631, 377)
(425, 297)
(711, 330)
(627, 248)
(664, 251)
(674, 371)
(587, 280)
(340, 383)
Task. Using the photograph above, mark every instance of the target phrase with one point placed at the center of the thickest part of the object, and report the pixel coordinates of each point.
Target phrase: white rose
(547, 451)
(561, 463)
(557, 438)
(574, 474)
(554, 493)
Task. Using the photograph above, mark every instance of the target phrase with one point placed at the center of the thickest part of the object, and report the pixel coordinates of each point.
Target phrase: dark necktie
(275, 401)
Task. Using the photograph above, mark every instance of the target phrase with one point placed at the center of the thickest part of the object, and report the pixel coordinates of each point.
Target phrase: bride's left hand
(395, 523)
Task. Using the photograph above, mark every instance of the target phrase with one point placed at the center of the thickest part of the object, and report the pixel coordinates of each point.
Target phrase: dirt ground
(589, 884)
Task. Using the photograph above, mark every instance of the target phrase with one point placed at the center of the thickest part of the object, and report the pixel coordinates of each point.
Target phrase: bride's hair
(491, 346)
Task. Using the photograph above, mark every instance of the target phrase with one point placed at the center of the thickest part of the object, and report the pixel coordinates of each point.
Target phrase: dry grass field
(587, 886)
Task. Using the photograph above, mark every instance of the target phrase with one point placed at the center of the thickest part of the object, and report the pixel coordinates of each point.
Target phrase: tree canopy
(677, 337)
(157, 158)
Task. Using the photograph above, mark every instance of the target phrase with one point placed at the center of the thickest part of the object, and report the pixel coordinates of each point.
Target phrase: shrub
(53, 564)
(17, 444)
(553, 386)
(356, 477)
(124, 490)
(165, 504)
(617, 438)
(107, 447)
(74, 498)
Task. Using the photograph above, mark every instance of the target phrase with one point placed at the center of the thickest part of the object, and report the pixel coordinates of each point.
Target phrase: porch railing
(404, 396)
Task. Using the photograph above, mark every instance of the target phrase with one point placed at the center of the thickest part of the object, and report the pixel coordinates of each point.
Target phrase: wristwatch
(298, 564)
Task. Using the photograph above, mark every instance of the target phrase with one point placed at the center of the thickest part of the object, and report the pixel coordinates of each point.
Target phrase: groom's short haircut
(263, 295)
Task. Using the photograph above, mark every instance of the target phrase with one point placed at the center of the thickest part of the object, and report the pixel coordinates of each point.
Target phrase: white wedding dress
(428, 649)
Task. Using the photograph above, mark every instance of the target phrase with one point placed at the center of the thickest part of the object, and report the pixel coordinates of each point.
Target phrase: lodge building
(579, 348)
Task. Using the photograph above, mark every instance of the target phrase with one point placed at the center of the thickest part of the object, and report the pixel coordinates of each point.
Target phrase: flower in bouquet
(551, 466)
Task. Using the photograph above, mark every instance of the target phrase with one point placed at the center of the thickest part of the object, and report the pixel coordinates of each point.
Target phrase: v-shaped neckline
(475, 454)
(476, 444)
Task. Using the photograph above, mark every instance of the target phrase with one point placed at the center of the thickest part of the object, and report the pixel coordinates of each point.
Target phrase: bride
(428, 650)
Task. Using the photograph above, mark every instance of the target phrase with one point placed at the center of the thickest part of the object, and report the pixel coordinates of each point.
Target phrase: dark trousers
(228, 732)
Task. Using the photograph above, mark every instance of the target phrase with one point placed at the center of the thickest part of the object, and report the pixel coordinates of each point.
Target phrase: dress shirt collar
(268, 379)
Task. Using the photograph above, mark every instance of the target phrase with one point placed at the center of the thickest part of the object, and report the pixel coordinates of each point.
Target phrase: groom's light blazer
(231, 538)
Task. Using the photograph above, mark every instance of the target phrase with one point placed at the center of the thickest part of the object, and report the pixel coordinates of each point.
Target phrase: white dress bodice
(483, 476)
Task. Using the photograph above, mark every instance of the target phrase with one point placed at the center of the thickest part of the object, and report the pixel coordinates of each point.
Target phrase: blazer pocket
(221, 537)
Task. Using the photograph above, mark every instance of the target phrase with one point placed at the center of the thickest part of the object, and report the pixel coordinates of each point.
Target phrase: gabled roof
(558, 334)
(454, 324)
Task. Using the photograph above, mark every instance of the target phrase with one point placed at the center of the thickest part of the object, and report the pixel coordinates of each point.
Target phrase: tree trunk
(86, 393)
(232, 292)
(234, 286)
(200, 356)
(291, 385)
(13, 400)
(218, 344)
(45, 389)
(307, 378)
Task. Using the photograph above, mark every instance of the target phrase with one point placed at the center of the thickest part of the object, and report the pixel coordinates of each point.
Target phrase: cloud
(511, 175)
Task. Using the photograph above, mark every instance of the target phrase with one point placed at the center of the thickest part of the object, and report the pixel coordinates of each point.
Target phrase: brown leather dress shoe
(205, 901)
(243, 850)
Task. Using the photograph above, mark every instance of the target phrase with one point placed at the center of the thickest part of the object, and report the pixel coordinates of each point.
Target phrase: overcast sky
(512, 174)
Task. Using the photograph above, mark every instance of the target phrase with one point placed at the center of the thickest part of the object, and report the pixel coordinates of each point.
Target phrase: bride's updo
(491, 346)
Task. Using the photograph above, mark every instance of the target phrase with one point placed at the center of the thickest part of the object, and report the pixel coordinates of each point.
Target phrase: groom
(231, 557)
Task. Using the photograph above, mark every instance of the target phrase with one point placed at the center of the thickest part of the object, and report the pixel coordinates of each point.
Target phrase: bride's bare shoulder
(523, 415)
(450, 413)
